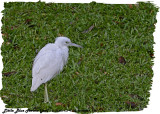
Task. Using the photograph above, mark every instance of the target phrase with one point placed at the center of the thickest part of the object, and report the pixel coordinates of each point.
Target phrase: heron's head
(64, 41)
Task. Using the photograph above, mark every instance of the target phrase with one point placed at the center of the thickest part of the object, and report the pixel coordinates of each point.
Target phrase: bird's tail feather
(34, 86)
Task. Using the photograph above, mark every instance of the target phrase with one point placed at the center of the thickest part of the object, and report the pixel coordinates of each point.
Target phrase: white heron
(49, 62)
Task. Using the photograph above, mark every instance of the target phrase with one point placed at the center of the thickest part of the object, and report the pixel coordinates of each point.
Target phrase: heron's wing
(46, 49)
(46, 65)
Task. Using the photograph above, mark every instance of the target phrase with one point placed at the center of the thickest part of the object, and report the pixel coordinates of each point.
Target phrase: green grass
(93, 80)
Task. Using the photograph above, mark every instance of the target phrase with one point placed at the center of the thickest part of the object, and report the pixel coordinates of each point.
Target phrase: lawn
(113, 71)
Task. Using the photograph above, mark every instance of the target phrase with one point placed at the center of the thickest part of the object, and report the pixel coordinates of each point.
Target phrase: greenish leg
(46, 99)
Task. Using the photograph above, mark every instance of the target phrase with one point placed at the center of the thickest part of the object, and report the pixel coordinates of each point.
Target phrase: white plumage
(49, 62)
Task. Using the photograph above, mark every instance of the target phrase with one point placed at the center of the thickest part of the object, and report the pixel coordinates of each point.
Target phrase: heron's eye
(67, 42)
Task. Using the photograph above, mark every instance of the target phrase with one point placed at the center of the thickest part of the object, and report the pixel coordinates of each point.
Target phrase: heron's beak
(75, 45)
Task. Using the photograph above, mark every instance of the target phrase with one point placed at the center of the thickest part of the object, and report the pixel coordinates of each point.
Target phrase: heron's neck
(65, 54)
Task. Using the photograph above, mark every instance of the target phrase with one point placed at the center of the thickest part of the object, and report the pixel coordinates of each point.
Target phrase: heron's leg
(45, 93)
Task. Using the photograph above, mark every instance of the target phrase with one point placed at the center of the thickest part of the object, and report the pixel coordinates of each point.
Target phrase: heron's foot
(46, 100)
